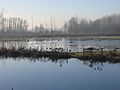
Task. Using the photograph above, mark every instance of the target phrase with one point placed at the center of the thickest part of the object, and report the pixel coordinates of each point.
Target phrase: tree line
(13, 24)
(103, 26)
(107, 25)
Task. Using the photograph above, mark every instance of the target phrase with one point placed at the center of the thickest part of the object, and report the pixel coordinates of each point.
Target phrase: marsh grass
(87, 38)
(101, 56)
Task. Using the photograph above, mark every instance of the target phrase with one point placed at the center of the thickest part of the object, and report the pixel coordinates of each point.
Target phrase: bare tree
(108, 25)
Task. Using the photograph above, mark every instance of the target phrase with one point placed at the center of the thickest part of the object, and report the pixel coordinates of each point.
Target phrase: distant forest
(107, 25)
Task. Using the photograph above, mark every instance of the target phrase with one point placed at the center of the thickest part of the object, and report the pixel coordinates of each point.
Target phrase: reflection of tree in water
(95, 65)
(61, 62)
(56, 61)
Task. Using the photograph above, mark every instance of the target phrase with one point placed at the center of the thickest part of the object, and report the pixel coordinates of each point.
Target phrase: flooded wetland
(44, 73)
(59, 45)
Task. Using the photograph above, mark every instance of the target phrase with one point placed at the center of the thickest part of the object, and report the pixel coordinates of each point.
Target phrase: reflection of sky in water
(62, 44)
(46, 74)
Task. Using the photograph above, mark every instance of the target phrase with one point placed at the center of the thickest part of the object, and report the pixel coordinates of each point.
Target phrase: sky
(61, 10)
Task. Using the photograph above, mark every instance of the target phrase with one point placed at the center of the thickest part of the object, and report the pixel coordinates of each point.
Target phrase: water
(46, 74)
(69, 44)
(65, 74)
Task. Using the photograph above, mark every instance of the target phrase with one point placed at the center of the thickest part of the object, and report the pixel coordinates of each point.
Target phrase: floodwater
(63, 74)
(69, 44)
(47, 74)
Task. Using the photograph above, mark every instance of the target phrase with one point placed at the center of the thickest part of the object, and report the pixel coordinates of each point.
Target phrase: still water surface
(69, 44)
(46, 74)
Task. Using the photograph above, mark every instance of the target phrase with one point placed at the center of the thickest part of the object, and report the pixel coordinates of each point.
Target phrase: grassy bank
(84, 37)
(101, 56)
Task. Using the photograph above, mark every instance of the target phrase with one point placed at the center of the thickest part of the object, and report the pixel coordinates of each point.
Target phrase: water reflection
(95, 65)
(61, 62)
(70, 44)
(30, 73)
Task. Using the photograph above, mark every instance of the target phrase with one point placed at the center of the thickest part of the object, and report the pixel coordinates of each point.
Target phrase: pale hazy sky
(61, 10)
